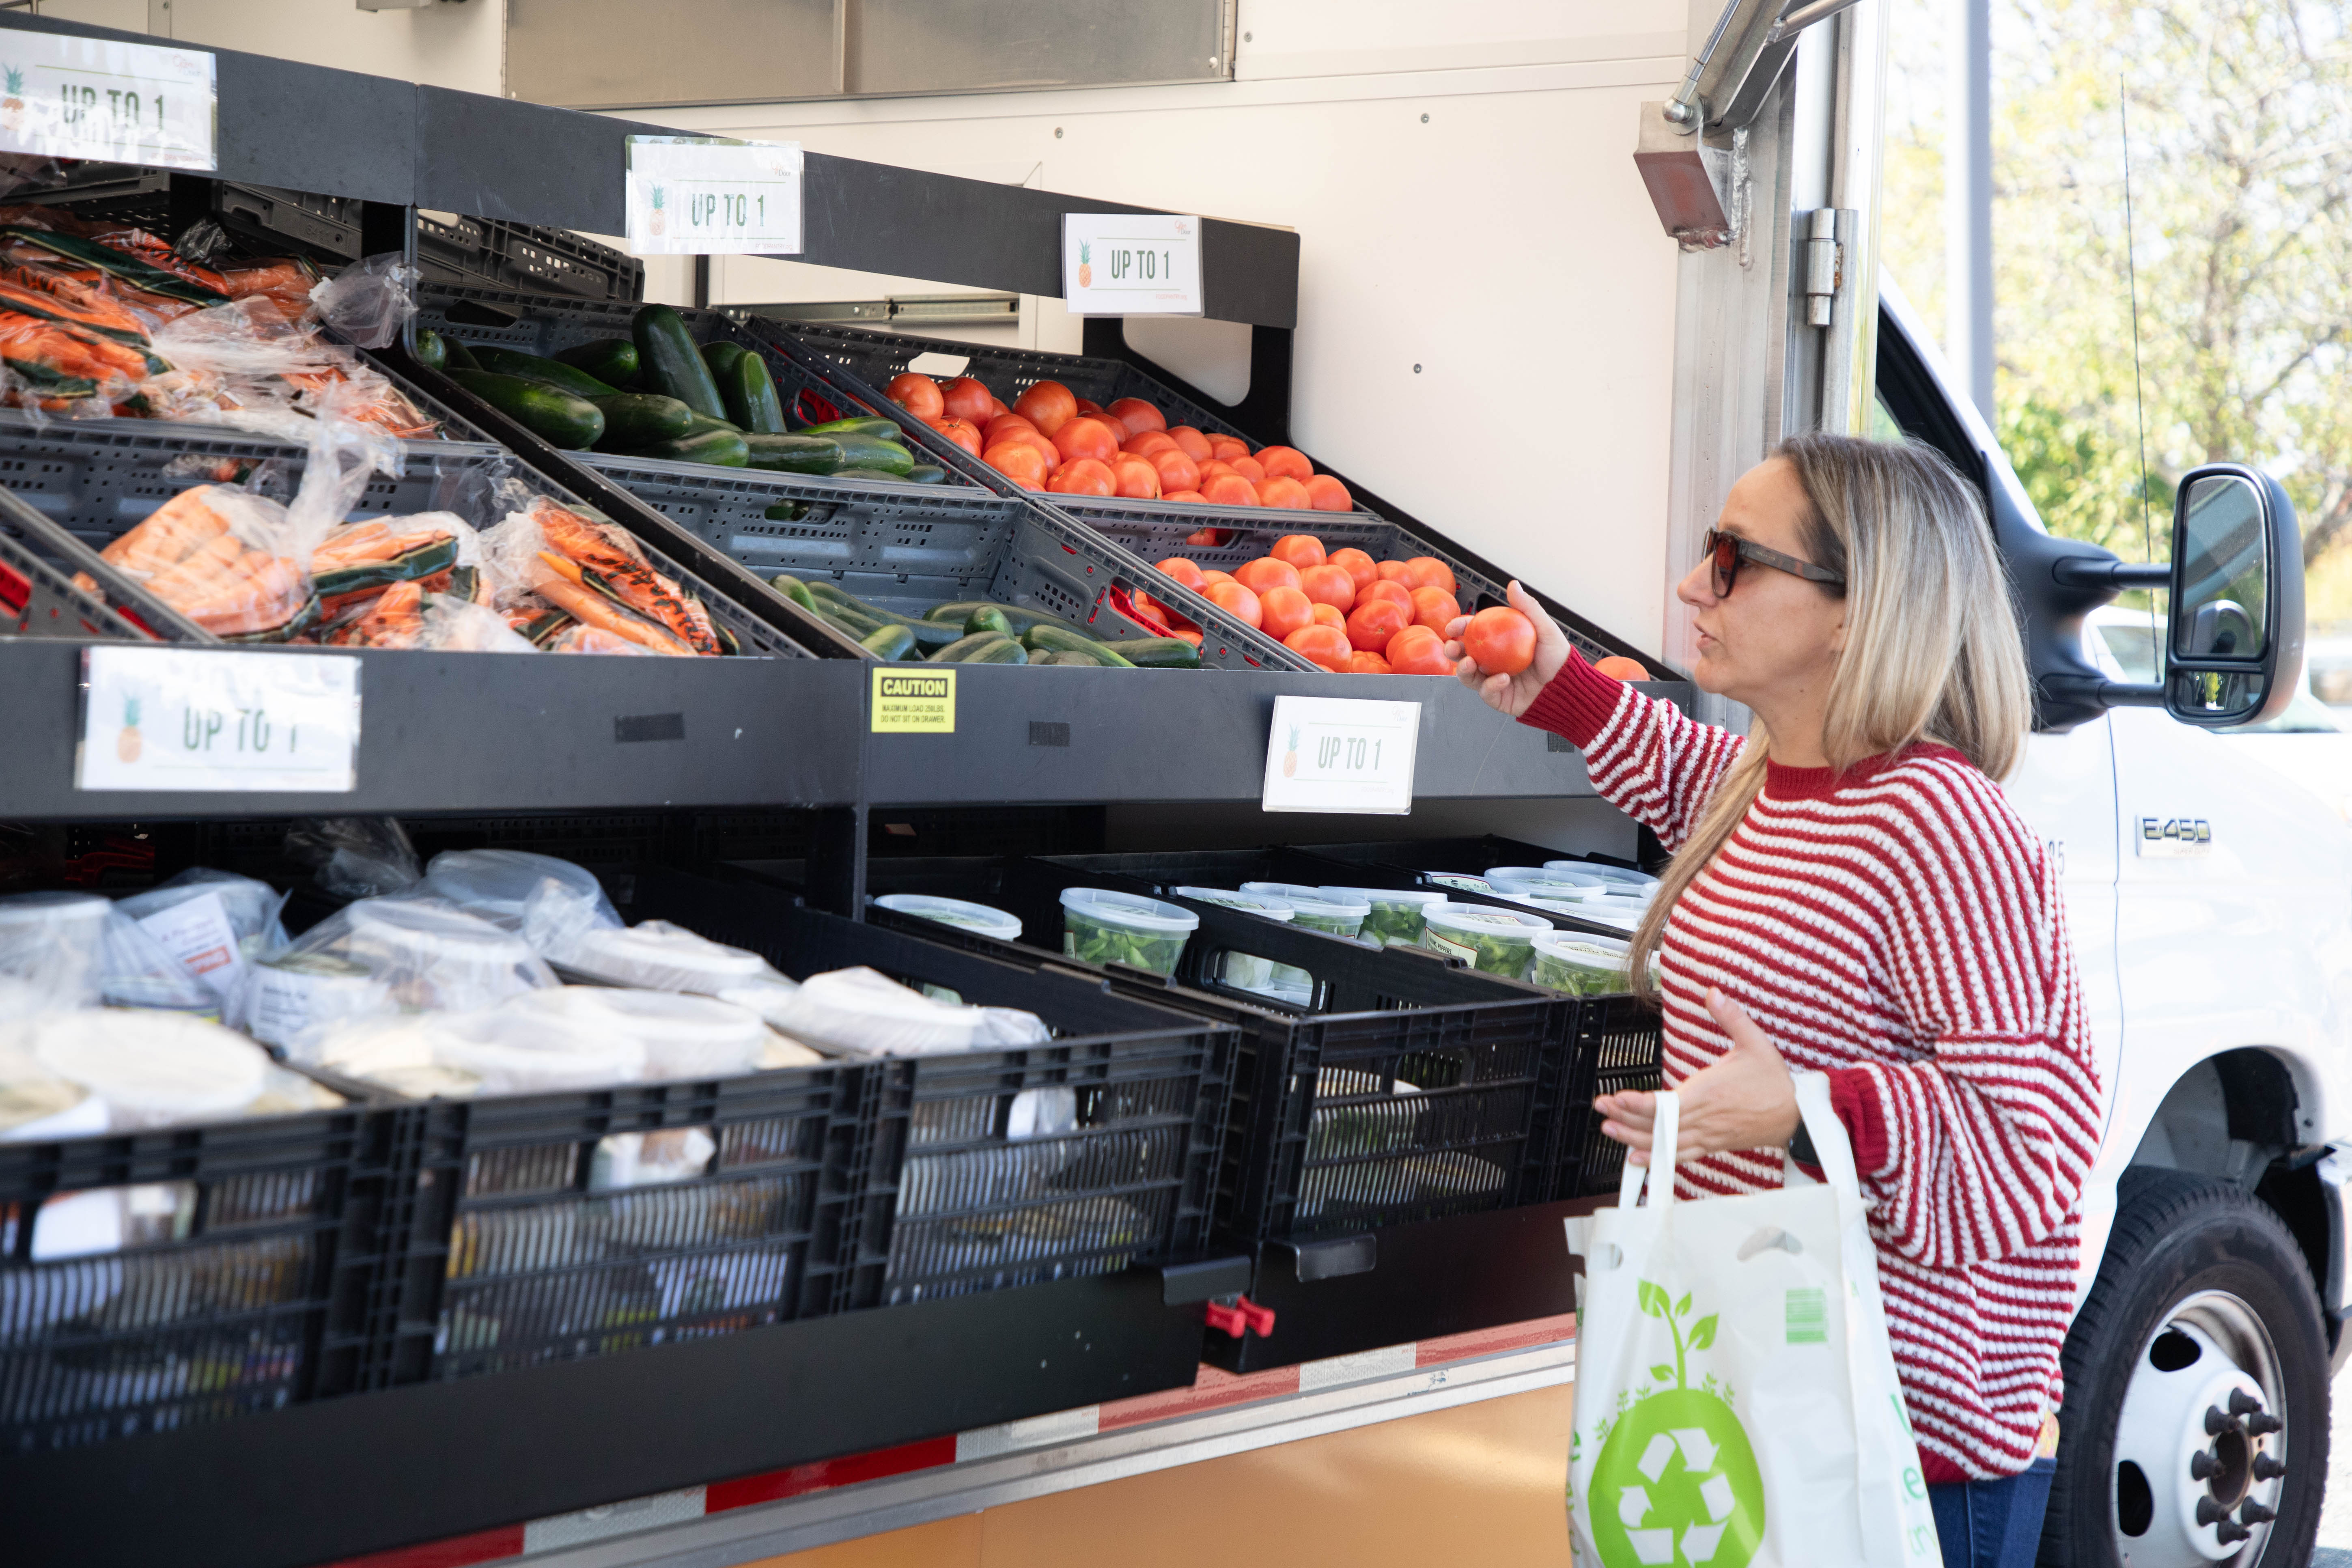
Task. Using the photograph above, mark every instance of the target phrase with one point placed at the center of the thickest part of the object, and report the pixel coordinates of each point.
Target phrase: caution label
(914, 703)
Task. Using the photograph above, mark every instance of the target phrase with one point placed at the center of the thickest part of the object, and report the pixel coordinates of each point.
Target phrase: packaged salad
(1499, 941)
(1102, 927)
(1395, 914)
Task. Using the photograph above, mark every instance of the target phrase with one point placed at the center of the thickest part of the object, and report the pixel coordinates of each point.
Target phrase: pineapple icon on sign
(1086, 265)
(1290, 757)
(12, 107)
(658, 217)
(127, 743)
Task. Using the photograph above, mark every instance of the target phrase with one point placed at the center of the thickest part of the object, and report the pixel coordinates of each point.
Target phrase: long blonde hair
(1932, 648)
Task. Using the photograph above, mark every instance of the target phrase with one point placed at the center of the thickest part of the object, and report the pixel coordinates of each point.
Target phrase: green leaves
(1653, 1300)
(1683, 1305)
(1702, 1333)
(1662, 1372)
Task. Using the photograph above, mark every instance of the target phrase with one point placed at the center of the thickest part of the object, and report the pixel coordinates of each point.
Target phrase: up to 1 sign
(201, 729)
(1131, 264)
(1341, 755)
(68, 97)
(688, 195)
(200, 719)
(1353, 753)
(110, 114)
(727, 209)
(1126, 265)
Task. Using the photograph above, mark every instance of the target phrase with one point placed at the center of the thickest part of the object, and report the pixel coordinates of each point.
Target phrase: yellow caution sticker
(914, 701)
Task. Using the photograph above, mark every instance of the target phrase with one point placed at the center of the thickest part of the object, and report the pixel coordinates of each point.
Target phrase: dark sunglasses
(1725, 551)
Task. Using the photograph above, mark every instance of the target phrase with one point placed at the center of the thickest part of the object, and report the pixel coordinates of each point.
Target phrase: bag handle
(1662, 1139)
(1832, 1148)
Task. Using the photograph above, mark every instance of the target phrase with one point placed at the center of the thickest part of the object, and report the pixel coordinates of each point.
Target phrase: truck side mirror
(2236, 622)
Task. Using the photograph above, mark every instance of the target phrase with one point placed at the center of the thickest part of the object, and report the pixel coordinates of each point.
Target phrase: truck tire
(2203, 1303)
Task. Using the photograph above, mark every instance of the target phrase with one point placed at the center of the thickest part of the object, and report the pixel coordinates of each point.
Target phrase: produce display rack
(877, 1342)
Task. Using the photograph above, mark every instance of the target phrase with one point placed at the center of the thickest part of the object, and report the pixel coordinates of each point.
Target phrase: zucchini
(750, 393)
(988, 619)
(962, 648)
(459, 356)
(551, 414)
(888, 457)
(1041, 638)
(1160, 653)
(431, 352)
(867, 425)
(635, 420)
(669, 361)
(1004, 651)
(720, 357)
(927, 474)
(721, 448)
(794, 454)
(961, 611)
(613, 361)
(792, 588)
(892, 642)
(553, 372)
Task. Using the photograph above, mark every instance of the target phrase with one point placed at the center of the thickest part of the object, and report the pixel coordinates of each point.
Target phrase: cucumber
(794, 454)
(868, 476)
(720, 357)
(961, 611)
(1006, 651)
(785, 511)
(1068, 657)
(891, 642)
(1160, 653)
(792, 588)
(431, 352)
(635, 420)
(927, 474)
(962, 648)
(459, 356)
(928, 634)
(703, 423)
(988, 619)
(553, 372)
(868, 425)
(669, 361)
(721, 448)
(613, 361)
(750, 393)
(553, 415)
(872, 452)
(1043, 637)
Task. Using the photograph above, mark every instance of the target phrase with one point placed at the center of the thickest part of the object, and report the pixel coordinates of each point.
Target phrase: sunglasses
(1725, 551)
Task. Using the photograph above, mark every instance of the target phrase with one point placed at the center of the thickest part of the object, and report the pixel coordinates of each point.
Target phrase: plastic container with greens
(1582, 965)
(1243, 971)
(1318, 908)
(1624, 913)
(1099, 926)
(1622, 875)
(1395, 914)
(1530, 881)
(1460, 881)
(1499, 941)
(960, 912)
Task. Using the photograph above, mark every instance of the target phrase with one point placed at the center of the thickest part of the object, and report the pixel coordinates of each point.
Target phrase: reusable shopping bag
(1736, 1397)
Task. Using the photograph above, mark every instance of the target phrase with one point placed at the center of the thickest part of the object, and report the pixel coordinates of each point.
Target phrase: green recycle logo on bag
(1677, 1484)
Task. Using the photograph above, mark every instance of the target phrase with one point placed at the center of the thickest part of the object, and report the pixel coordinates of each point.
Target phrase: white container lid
(1333, 902)
(496, 883)
(1606, 873)
(1130, 910)
(1390, 895)
(1537, 876)
(1485, 919)
(987, 921)
(1579, 947)
(153, 1068)
(1256, 903)
(662, 957)
(426, 935)
(1462, 881)
(56, 910)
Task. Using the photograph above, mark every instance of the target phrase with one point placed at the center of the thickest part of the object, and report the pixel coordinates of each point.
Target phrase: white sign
(700, 196)
(87, 98)
(1338, 753)
(1130, 264)
(202, 718)
(197, 932)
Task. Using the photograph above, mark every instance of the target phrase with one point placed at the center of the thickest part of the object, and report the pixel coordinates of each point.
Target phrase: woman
(1852, 894)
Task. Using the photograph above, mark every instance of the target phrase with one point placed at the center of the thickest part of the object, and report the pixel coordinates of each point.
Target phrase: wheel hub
(2200, 1447)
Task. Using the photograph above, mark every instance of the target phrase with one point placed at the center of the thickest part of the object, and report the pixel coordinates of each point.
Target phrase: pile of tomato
(1051, 439)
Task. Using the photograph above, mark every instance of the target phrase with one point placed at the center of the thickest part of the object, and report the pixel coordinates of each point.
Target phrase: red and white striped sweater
(1899, 928)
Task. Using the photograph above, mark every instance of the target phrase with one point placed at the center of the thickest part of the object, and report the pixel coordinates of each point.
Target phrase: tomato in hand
(1190, 442)
(1499, 640)
(917, 394)
(1289, 494)
(1177, 472)
(1357, 565)
(1434, 608)
(1330, 584)
(1328, 616)
(1374, 624)
(1136, 415)
(1301, 549)
(1049, 406)
(1083, 476)
(1429, 572)
(1185, 570)
(1417, 651)
(1283, 611)
(966, 398)
(1325, 493)
(1018, 461)
(1363, 662)
(1235, 600)
(1286, 463)
(1137, 479)
(1265, 572)
(1327, 645)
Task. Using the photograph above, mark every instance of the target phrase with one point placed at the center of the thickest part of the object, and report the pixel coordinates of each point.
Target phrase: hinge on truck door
(1824, 258)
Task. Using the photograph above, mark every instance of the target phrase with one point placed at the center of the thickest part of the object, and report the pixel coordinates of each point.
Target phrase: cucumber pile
(978, 631)
(657, 393)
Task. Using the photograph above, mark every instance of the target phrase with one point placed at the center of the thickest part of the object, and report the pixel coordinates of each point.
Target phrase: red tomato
(1049, 406)
(1325, 615)
(1185, 570)
(1500, 640)
(1228, 447)
(1138, 415)
(1394, 571)
(1287, 494)
(1018, 461)
(917, 394)
(1137, 479)
(1396, 594)
(996, 409)
(1617, 667)
(1244, 465)
(1207, 536)
(1359, 564)
(1429, 572)
(1417, 651)
(959, 431)
(1286, 463)
(1044, 448)
(1235, 600)
(1211, 575)
(1227, 489)
(1265, 572)
(993, 431)
(1217, 468)
(1189, 632)
(1365, 662)
(968, 399)
(1089, 409)
(1325, 493)
(1301, 549)
(1285, 610)
(1150, 443)
(1434, 608)
(1195, 444)
(1185, 496)
(1083, 476)
(1374, 624)
(1081, 436)
(1330, 584)
(1327, 645)
(1177, 473)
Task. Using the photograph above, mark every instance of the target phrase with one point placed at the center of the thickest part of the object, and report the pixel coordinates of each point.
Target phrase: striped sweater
(1899, 928)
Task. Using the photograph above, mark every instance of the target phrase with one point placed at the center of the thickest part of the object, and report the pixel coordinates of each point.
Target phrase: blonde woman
(1851, 893)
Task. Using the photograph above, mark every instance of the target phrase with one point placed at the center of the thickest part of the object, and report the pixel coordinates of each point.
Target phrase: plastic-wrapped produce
(368, 301)
(1395, 916)
(36, 1103)
(542, 1049)
(1500, 941)
(1104, 926)
(137, 971)
(153, 1069)
(551, 903)
(215, 923)
(49, 946)
(356, 857)
(862, 1011)
(677, 1036)
(414, 953)
(1584, 966)
(401, 1052)
(658, 957)
(1318, 908)
(1631, 880)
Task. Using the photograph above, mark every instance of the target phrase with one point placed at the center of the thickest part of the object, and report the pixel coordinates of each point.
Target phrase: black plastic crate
(248, 1253)
(1619, 1046)
(490, 253)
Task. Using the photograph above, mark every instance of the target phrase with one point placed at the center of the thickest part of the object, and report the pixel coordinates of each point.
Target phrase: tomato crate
(904, 547)
(163, 1278)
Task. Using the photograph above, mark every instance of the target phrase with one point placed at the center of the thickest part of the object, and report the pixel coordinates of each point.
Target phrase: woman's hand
(1511, 693)
(1746, 1101)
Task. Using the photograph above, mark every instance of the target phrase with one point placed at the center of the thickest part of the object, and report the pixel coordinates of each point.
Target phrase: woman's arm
(1647, 758)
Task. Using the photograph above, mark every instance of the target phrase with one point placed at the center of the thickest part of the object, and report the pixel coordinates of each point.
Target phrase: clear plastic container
(1243, 971)
(494, 884)
(1622, 875)
(1583, 966)
(1394, 916)
(658, 957)
(1516, 882)
(435, 956)
(1460, 881)
(1099, 926)
(50, 951)
(1621, 913)
(152, 1069)
(980, 918)
(1318, 908)
(1499, 941)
